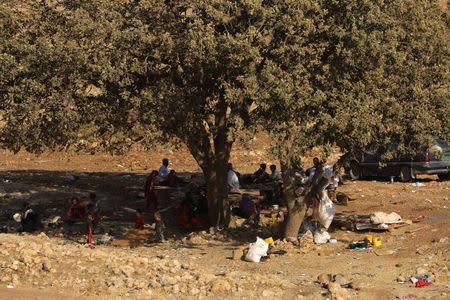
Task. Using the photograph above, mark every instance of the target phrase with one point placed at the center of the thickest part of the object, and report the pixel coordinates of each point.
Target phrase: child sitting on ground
(139, 221)
(29, 219)
(76, 211)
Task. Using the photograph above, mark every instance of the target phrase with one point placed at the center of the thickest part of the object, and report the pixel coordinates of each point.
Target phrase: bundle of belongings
(375, 221)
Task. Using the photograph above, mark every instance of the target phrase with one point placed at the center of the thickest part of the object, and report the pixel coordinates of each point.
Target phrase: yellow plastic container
(377, 242)
(274, 220)
(269, 241)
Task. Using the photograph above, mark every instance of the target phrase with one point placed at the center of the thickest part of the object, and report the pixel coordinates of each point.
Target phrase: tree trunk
(217, 195)
(295, 205)
(213, 160)
(211, 149)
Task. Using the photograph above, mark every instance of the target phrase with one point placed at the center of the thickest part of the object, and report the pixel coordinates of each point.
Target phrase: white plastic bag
(257, 250)
(321, 237)
(327, 209)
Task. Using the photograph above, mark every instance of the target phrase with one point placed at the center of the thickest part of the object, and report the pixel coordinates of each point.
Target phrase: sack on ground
(327, 209)
(257, 250)
(321, 237)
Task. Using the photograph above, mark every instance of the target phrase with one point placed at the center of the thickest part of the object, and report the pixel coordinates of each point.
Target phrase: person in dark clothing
(172, 179)
(29, 219)
(247, 209)
(260, 175)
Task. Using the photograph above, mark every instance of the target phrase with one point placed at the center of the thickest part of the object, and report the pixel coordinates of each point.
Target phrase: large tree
(106, 74)
(368, 74)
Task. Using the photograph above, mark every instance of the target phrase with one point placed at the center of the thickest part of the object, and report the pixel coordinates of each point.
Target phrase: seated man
(311, 171)
(275, 175)
(163, 170)
(200, 211)
(172, 179)
(260, 175)
(232, 178)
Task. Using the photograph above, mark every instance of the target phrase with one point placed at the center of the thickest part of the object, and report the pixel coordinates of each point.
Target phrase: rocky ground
(206, 264)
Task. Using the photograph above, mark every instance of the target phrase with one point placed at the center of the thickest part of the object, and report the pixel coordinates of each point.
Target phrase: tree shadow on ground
(118, 194)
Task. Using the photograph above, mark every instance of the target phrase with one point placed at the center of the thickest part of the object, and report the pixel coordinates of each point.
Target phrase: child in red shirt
(76, 210)
(139, 221)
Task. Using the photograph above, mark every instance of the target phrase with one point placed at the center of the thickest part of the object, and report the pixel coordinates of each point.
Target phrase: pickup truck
(434, 161)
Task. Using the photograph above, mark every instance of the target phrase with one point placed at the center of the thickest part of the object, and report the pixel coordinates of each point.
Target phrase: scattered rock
(336, 291)
(127, 271)
(268, 293)
(324, 278)
(46, 266)
(237, 254)
(194, 291)
(339, 278)
(220, 286)
(165, 280)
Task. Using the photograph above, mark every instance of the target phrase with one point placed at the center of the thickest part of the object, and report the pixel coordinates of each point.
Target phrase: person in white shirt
(232, 178)
(275, 175)
(164, 170)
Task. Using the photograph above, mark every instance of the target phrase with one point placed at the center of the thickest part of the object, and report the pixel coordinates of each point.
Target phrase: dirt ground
(200, 265)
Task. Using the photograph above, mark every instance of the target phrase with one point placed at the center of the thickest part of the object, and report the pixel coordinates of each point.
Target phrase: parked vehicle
(435, 161)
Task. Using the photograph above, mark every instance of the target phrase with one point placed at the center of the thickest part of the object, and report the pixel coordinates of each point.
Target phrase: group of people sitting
(78, 211)
(235, 180)
(193, 210)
